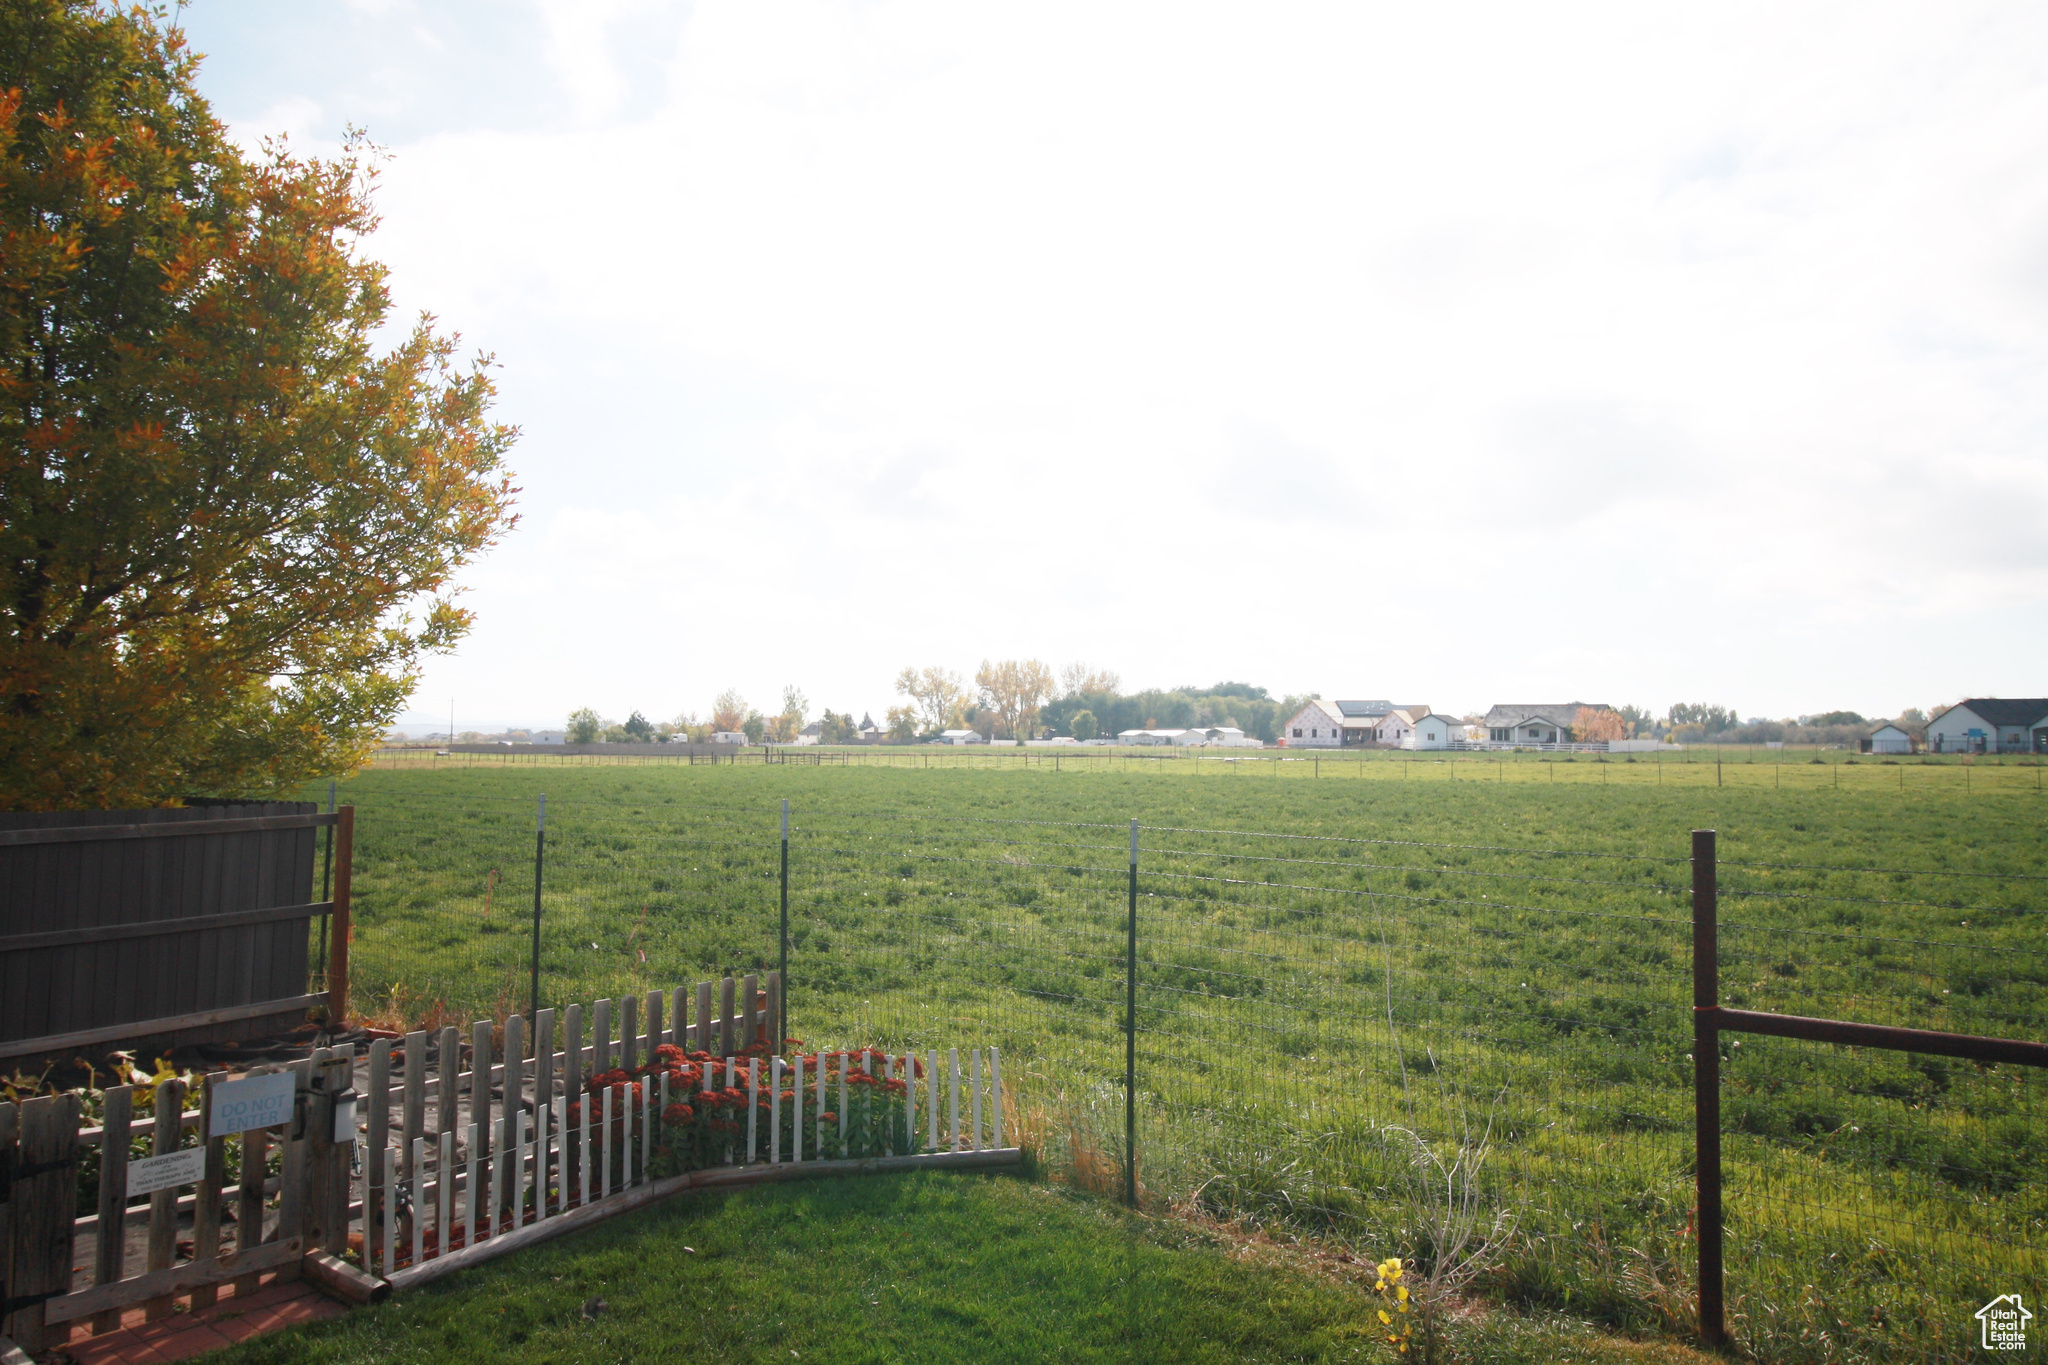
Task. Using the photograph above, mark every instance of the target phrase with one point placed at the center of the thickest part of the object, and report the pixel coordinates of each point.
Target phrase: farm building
(1149, 736)
(870, 731)
(1991, 725)
(1887, 739)
(814, 733)
(1433, 731)
(962, 737)
(1536, 722)
(729, 737)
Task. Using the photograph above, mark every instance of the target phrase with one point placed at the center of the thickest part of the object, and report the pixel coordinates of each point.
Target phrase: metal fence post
(540, 856)
(782, 1024)
(1131, 1035)
(1706, 1052)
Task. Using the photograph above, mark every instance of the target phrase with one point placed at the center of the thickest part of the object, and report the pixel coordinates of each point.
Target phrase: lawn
(884, 1269)
(1332, 953)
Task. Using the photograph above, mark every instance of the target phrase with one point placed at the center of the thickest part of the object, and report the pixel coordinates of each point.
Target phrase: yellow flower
(1378, 1287)
(1402, 1293)
(1385, 1319)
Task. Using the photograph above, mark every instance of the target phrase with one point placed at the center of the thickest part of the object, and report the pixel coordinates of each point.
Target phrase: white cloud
(1633, 352)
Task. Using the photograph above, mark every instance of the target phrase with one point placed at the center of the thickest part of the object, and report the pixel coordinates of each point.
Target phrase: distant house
(1335, 724)
(729, 737)
(1991, 725)
(1318, 725)
(1887, 739)
(1434, 732)
(962, 737)
(1536, 722)
(870, 731)
(1398, 724)
(814, 733)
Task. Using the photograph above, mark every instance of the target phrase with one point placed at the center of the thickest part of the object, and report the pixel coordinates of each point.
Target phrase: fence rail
(476, 1141)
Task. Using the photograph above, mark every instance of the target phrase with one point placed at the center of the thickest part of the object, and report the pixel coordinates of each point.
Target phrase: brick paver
(275, 1305)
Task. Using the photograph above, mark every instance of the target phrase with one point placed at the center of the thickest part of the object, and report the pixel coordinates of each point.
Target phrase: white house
(870, 731)
(814, 733)
(961, 737)
(1991, 725)
(1434, 732)
(1536, 722)
(1318, 725)
(729, 737)
(1887, 739)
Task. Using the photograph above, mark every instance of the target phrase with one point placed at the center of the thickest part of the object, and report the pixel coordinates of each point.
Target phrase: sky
(1487, 353)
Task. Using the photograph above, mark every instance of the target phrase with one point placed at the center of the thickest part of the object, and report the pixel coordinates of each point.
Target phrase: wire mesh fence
(1313, 1015)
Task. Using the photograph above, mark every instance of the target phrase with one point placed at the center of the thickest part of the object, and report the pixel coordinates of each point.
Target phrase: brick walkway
(277, 1304)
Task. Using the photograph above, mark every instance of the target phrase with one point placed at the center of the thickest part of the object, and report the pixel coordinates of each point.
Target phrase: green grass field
(881, 1270)
(1402, 941)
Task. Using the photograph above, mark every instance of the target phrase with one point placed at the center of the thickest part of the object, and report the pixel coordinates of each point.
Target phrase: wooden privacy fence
(184, 925)
(473, 1146)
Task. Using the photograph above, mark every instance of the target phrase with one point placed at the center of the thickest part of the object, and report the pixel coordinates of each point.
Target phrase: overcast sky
(1464, 354)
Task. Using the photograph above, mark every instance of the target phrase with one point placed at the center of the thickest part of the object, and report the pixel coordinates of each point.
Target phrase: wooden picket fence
(463, 1157)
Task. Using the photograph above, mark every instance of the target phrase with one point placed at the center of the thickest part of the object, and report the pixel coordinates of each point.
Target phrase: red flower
(829, 1116)
(678, 1113)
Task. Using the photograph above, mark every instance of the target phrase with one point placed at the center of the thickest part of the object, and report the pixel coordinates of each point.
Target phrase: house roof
(1364, 708)
(1329, 711)
(2020, 711)
(816, 727)
(1884, 727)
(1552, 712)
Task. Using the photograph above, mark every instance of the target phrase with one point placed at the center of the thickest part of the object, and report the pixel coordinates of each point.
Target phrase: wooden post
(327, 1160)
(750, 1009)
(629, 1034)
(337, 939)
(572, 1091)
(448, 1067)
(511, 1102)
(41, 1206)
(378, 1102)
(249, 1201)
(163, 1205)
(705, 1037)
(654, 1038)
(601, 1037)
(110, 1260)
(206, 1200)
(480, 1106)
(725, 1020)
(543, 1099)
(414, 1116)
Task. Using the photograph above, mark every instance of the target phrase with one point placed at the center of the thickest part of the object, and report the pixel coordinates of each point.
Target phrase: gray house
(1536, 722)
(1996, 725)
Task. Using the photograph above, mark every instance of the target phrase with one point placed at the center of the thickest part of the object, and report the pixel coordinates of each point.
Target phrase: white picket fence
(428, 1194)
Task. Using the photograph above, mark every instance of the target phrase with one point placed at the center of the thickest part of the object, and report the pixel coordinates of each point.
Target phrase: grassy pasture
(925, 1267)
(1514, 949)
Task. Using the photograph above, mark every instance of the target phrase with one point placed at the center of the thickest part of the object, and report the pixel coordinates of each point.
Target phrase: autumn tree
(902, 722)
(1594, 723)
(229, 523)
(786, 724)
(938, 695)
(1086, 680)
(728, 711)
(1014, 689)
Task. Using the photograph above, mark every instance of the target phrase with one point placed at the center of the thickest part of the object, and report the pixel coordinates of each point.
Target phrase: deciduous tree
(1591, 724)
(729, 711)
(229, 524)
(585, 727)
(1086, 680)
(1014, 689)
(938, 694)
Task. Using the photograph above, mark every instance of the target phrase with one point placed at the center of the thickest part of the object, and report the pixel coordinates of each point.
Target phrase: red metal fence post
(1706, 1052)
